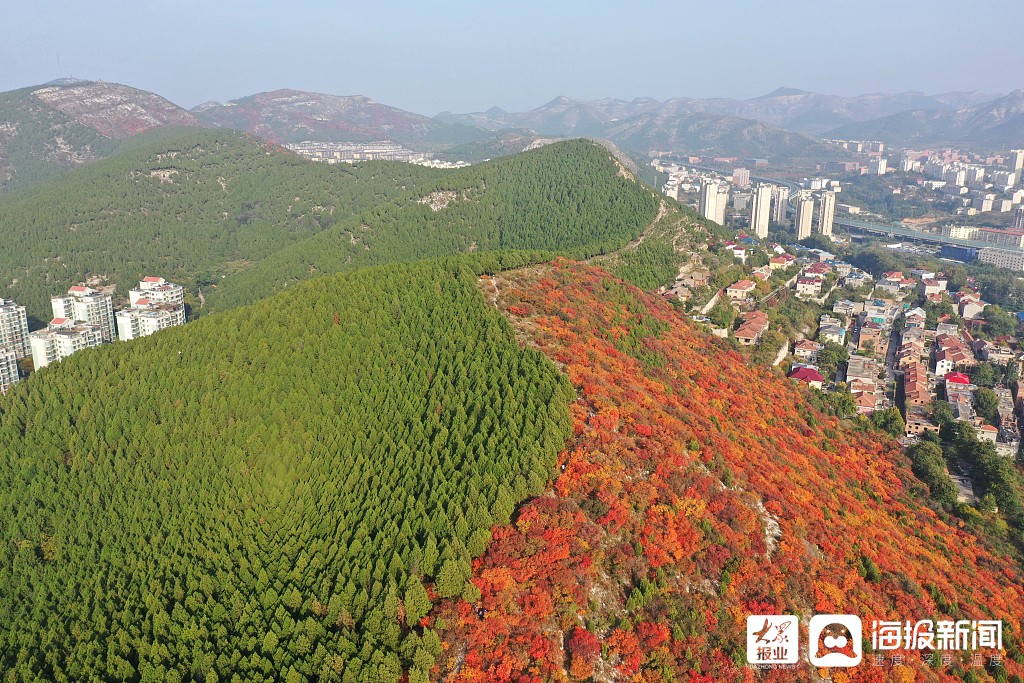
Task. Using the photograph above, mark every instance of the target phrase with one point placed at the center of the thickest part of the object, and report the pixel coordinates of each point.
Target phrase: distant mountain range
(645, 124)
(46, 130)
(997, 124)
(294, 116)
(795, 110)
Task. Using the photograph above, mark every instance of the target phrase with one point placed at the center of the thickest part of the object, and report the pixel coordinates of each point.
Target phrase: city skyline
(463, 57)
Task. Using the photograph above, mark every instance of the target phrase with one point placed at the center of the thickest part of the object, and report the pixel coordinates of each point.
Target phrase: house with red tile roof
(808, 376)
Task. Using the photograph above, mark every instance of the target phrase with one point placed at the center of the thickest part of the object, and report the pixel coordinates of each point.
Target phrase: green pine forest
(280, 489)
(264, 494)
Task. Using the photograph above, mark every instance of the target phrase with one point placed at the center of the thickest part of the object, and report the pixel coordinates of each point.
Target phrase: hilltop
(50, 129)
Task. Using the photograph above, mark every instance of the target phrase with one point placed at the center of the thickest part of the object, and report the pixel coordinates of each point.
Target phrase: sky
(469, 55)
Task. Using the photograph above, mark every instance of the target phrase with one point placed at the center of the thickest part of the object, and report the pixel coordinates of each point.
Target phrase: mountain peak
(559, 101)
(65, 82)
(784, 92)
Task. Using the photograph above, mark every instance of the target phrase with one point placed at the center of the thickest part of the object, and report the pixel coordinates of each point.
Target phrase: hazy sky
(467, 55)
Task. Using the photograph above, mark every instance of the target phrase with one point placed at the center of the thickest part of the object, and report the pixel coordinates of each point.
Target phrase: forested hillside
(694, 492)
(190, 208)
(38, 142)
(569, 198)
(272, 494)
(206, 205)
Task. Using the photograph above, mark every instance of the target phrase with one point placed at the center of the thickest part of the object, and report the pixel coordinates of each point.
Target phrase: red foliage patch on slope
(644, 561)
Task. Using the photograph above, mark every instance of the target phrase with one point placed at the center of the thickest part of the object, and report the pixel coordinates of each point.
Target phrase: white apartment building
(804, 215)
(8, 368)
(61, 338)
(156, 305)
(159, 291)
(87, 305)
(955, 175)
(1014, 260)
(974, 174)
(826, 212)
(1005, 178)
(960, 232)
(760, 210)
(712, 201)
(142, 321)
(1016, 160)
(780, 201)
(878, 166)
(14, 327)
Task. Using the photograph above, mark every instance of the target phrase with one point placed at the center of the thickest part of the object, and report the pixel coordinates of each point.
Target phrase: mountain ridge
(287, 115)
(998, 123)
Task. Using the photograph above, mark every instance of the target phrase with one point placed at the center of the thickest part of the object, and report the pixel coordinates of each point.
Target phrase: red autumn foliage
(697, 490)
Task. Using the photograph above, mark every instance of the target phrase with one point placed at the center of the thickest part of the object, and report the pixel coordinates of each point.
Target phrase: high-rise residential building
(826, 212)
(1016, 160)
(955, 175)
(14, 327)
(61, 338)
(8, 368)
(804, 215)
(1005, 178)
(740, 177)
(87, 305)
(780, 203)
(1018, 219)
(709, 199)
(877, 166)
(974, 174)
(155, 305)
(760, 210)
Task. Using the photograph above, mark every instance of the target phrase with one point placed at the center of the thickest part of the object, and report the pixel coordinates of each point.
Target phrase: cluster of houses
(814, 269)
(84, 318)
(944, 357)
(876, 376)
